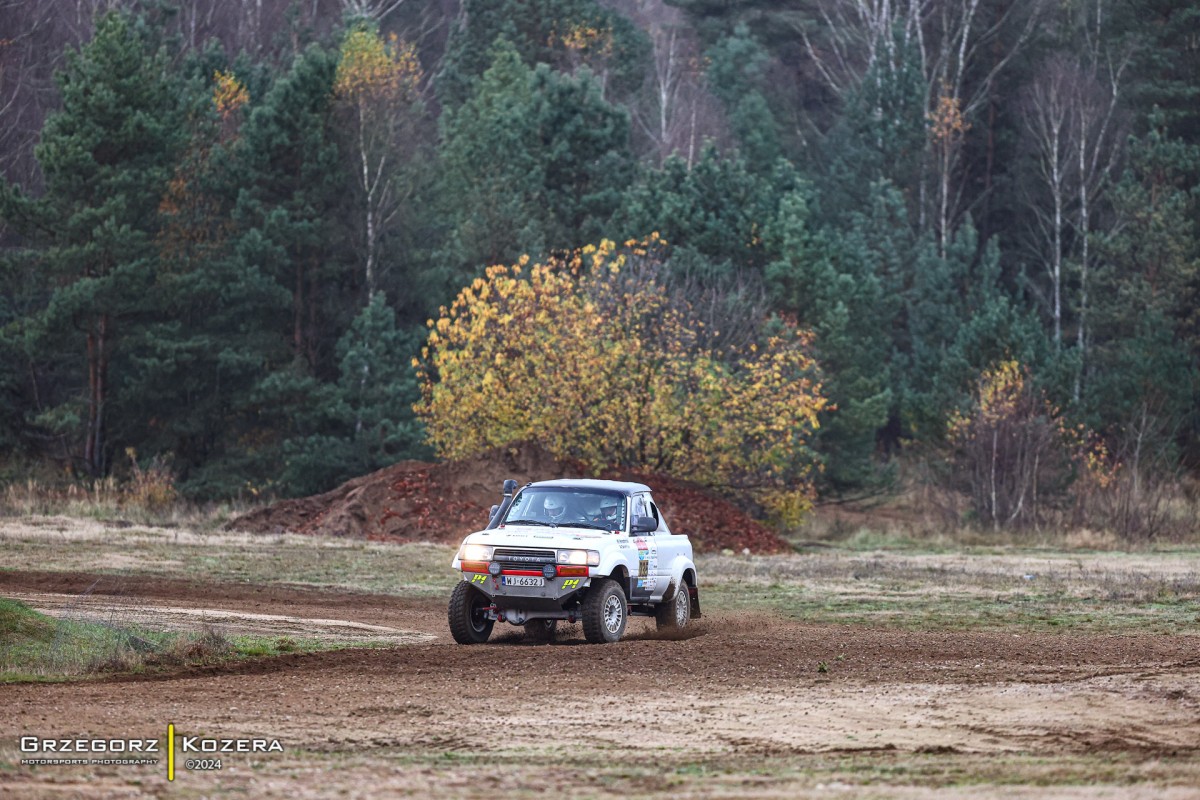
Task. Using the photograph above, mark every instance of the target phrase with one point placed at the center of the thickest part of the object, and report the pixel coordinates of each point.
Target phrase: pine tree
(533, 160)
(714, 215)
(959, 321)
(328, 432)
(214, 327)
(491, 170)
(879, 136)
(736, 73)
(106, 157)
(379, 387)
(830, 281)
(564, 34)
(584, 155)
(1143, 380)
(291, 219)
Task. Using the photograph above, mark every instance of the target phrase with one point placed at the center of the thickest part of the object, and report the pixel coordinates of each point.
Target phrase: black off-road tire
(676, 613)
(605, 612)
(468, 625)
(541, 630)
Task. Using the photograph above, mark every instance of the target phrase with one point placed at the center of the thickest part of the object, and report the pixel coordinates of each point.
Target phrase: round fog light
(494, 568)
(549, 571)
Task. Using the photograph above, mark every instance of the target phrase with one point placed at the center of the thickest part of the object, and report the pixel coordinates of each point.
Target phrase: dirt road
(743, 690)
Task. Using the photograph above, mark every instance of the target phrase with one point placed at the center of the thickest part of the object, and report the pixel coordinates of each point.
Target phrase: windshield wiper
(530, 522)
(583, 525)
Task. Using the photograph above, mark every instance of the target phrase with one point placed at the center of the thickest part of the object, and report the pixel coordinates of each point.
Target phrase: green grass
(59, 544)
(1043, 591)
(37, 647)
(974, 541)
(416, 570)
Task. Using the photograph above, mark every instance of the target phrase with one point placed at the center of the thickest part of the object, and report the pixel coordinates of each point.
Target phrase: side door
(668, 546)
(643, 582)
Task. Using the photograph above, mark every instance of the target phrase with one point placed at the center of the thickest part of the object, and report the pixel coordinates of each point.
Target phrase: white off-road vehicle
(587, 550)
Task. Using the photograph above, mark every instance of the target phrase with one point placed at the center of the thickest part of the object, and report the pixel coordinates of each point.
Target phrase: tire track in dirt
(132, 612)
(352, 606)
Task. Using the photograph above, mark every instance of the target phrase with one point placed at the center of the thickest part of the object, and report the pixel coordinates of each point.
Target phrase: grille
(515, 556)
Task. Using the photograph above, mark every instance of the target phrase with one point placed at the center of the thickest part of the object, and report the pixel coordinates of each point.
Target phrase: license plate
(522, 580)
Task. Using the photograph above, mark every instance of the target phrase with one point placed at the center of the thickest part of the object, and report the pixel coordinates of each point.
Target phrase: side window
(639, 507)
(644, 508)
(662, 523)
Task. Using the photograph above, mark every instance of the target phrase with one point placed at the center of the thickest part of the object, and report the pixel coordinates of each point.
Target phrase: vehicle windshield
(575, 508)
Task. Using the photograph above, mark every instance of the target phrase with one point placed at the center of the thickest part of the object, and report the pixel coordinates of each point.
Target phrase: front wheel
(604, 612)
(468, 615)
(676, 613)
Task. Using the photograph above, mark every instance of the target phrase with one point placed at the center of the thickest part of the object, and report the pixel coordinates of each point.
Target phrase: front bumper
(550, 597)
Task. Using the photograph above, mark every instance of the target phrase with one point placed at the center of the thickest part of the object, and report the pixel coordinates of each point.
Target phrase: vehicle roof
(624, 487)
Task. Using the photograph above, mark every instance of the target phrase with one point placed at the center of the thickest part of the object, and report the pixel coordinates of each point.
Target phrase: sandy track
(748, 685)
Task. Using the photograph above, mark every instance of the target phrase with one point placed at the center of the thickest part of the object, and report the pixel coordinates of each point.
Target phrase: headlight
(579, 557)
(475, 552)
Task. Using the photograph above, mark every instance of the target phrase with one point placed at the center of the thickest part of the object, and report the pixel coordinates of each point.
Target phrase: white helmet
(555, 508)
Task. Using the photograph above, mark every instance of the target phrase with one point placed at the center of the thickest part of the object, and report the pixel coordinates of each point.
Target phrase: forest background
(957, 237)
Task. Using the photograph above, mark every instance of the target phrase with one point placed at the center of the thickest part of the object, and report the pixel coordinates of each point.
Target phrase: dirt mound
(411, 500)
(711, 522)
(418, 501)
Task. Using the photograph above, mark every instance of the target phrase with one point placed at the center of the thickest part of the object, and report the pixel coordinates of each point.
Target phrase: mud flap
(694, 596)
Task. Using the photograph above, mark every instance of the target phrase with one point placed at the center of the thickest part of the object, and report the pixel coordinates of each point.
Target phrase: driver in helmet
(556, 510)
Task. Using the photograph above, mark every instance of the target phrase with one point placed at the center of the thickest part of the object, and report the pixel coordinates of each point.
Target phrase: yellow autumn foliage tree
(593, 357)
(229, 93)
(372, 68)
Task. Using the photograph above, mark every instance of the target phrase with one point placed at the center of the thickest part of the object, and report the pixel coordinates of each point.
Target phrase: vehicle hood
(537, 536)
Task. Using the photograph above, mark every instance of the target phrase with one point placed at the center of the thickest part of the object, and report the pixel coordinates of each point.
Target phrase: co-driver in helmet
(605, 511)
(610, 513)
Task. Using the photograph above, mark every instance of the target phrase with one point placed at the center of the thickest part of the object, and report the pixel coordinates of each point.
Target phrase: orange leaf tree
(592, 355)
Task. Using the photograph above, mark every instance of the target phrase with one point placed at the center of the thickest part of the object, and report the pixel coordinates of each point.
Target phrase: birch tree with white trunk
(377, 86)
(962, 46)
(1074, 126)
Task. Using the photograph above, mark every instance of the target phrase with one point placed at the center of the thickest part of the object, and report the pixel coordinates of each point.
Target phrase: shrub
(1014, 451)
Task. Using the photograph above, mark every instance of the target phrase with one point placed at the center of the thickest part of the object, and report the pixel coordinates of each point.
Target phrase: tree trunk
(93, 372)
(311, 339)
(298, 311)
(1084, 224)
(97, 351)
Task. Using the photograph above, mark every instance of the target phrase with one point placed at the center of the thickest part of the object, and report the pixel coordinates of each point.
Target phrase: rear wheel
(541, 630)
(676, 613)
(468, 615)
(605, 612)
